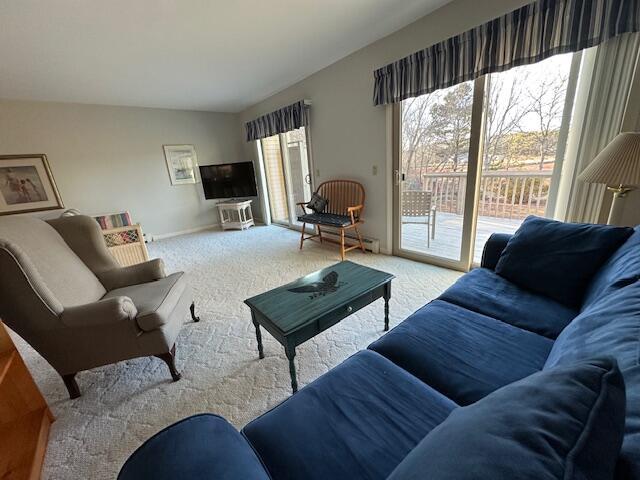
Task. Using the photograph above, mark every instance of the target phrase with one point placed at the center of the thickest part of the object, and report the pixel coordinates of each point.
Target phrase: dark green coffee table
(299, 311)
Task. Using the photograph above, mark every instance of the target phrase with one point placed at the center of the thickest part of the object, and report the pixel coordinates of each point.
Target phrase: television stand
(235, 214)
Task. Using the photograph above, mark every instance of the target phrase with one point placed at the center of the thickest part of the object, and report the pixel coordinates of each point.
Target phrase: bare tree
(506, 106)
(415, 120)
(547, 104)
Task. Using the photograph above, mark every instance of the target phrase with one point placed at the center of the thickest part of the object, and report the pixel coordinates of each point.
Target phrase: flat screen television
(229, 180)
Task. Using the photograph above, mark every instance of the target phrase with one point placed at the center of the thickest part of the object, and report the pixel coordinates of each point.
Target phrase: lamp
(618, 167)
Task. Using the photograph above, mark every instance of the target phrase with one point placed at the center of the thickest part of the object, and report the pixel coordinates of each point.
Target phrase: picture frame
(182, 163)
(27, 185)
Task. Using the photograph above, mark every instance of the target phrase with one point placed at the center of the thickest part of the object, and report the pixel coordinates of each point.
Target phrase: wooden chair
(419, 204)
(343, 212)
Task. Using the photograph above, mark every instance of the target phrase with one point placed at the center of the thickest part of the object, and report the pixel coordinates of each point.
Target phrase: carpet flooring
(124, 404)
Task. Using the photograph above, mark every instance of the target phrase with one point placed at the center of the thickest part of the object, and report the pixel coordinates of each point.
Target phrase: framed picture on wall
(182, 163)
(27, 185)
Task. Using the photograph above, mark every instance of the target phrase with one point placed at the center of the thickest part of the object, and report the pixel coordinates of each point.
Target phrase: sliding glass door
(276, 185)
(478, 157)
(287, 168)
(436, 136)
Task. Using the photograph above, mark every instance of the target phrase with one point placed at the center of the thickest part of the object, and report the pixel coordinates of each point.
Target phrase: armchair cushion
(202, 446)
(133, 275)
(155, 300)
(328, 219)
(53, 269)
(107, 310)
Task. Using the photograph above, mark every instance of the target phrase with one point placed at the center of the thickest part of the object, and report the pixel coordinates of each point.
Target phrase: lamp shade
(618, 164)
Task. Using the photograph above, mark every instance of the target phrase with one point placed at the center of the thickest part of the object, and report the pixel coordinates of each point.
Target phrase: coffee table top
(294, 305)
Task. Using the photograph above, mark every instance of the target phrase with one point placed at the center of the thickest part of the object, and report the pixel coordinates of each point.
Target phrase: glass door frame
(472, 189)
(286, 169)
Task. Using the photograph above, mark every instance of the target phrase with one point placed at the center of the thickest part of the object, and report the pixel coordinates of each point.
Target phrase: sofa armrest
(201, 446)
(108, 310)
(493, 248)
(133, 275)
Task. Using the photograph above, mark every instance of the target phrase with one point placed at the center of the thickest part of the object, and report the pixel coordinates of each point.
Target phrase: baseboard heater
(370, 244)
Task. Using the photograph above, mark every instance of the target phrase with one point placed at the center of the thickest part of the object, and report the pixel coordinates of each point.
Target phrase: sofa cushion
(483, 291)
(461, 353)
(558, 259)
(155, 301)
(622, 268)
(359, 420)
(201, 446)
(558, 424)
(610, 326)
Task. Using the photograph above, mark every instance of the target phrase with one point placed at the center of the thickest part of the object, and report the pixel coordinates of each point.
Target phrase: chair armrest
(106, 311)
(303, 206)
(133, 275)
(201, 446)
(354, 212)
(493, 249)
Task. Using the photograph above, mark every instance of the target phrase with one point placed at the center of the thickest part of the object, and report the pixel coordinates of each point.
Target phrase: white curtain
(599, 111)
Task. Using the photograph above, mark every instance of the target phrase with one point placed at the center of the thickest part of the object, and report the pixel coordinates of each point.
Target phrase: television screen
(228, 180)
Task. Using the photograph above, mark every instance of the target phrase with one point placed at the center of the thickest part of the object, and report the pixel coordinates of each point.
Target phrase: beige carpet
(124, 404)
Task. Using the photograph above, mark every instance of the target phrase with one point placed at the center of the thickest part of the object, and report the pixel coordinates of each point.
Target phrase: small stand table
(233, 215)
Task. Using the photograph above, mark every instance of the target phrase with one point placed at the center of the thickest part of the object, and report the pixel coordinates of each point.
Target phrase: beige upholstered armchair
(63, 292)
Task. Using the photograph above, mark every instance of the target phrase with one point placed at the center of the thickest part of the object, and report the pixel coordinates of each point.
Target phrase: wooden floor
(448, 234)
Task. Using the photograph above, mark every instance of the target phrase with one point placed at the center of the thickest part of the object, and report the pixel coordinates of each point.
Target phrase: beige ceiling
(188, 54)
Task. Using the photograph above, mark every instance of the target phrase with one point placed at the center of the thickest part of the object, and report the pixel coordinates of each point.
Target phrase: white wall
(107, 159)
(349, 135)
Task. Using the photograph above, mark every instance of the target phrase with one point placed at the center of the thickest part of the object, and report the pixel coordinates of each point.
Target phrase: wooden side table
(24, 416)
(235, 215)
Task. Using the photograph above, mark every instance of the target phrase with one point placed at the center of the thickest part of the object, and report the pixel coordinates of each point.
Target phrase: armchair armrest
(133, 275)
(108, 310)
(201, 446)
(493, 248)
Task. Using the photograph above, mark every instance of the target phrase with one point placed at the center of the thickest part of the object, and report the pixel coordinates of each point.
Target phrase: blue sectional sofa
(485, 343)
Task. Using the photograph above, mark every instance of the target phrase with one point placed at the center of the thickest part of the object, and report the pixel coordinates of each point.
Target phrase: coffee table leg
(291, 353)
(258, 335)
(387, 296)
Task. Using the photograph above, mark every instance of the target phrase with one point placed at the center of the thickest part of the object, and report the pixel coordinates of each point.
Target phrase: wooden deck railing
(505, 194)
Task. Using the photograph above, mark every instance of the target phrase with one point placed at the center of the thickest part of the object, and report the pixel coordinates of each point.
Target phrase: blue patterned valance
(283, 120)
(526, 35)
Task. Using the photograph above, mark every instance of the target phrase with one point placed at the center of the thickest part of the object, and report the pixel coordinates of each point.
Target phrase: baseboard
(161, 236)
(370, 244)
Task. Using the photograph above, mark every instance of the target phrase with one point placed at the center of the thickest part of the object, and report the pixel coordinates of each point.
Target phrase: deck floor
(448, 234)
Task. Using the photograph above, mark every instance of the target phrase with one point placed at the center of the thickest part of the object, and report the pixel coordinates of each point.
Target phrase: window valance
(526, 35)
(282, 120)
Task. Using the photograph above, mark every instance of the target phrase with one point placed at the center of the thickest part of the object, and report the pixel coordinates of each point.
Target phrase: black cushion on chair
(317, 203)
(328, 219)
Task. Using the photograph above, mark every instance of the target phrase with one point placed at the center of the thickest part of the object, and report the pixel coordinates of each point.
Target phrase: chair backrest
(51, 267)
(341, 194)
(416, 203)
